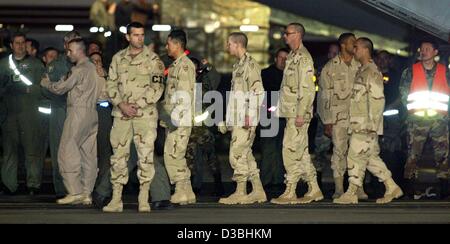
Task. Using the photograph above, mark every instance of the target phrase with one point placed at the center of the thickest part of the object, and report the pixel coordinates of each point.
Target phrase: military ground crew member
(366, 123)
(425, 91)
(201, 146)
(22, 74)
(134, 87)
(297, 94)
(335, 87)
(179, 105)
(56, 70)
(77, 155)
(247, 94)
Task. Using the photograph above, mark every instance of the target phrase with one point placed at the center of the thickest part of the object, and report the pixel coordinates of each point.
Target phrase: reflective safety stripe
(428, 113)
(201, 117)
(428, 102)
(272, 109)
(45, 110)
(390, 112)
(104, 104)
(12, 66)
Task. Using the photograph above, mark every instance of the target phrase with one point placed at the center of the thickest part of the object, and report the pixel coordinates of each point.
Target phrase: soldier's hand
(247, 122)
(299, 121)
(328, 130)
(45, 82)
(222, 127)
(129, 110)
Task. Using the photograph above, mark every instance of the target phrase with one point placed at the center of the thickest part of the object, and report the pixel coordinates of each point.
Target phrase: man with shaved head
(242, 117)
(297, 94)
(77, 155)
(57, 69)
(366, 124)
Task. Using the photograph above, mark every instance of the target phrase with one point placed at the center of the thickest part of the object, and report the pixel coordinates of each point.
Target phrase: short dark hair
(239, 37)
(344, 36)
(367, 43)
(48, 49)
(299, 27)
(17, 34)
(281, 50)
(430, 41)
(34, 43)
(99, 44)
(179, 36)
(135, 24)
(80, 42)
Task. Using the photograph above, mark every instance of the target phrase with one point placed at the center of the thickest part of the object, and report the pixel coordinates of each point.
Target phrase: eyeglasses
(289, 33)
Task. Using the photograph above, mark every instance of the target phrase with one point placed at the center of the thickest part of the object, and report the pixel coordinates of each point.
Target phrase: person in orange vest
(425, 91)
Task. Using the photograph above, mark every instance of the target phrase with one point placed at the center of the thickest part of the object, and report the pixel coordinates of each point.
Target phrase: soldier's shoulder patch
(160, 65)
(185, 67)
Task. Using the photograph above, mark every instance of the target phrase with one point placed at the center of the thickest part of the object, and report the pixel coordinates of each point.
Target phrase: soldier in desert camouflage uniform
(134, 86)
(336, 83)
(366, 123)
(247, 94)
(179, 103)
(297, 94)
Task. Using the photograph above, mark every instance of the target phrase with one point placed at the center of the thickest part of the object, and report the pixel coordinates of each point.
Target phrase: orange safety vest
(420, 83)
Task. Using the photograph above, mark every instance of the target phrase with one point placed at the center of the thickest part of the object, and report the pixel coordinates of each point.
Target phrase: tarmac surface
(23, 209)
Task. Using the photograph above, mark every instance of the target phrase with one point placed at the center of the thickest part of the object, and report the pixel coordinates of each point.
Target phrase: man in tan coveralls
(179, 105)
(366, 123)
(333, 103)
(247, 94)
(296, 105)
(134, 87)
(77, 155)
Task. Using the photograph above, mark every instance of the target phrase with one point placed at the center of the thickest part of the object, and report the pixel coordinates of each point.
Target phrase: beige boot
(144, 207)
(190, 193)
(183, 193)
(71, 199)
(393, 191)
(349, 197)
(361, 194)
(116, 205)
(288, 197)
(314, 193)
(257, 195)
(238, 197)
(87, 200)
(338, 187)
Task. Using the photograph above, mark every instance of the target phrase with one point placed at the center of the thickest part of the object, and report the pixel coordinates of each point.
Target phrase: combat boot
(116, 205)
(338, 187)
(361, 194)
(314, 193)
(349, 197)
(393, 191)
(71, 199)
(190, 193)
(288, 197)
(183, 193)
(144, 206)
(238, 197)
(257, 195)
(87, 200)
